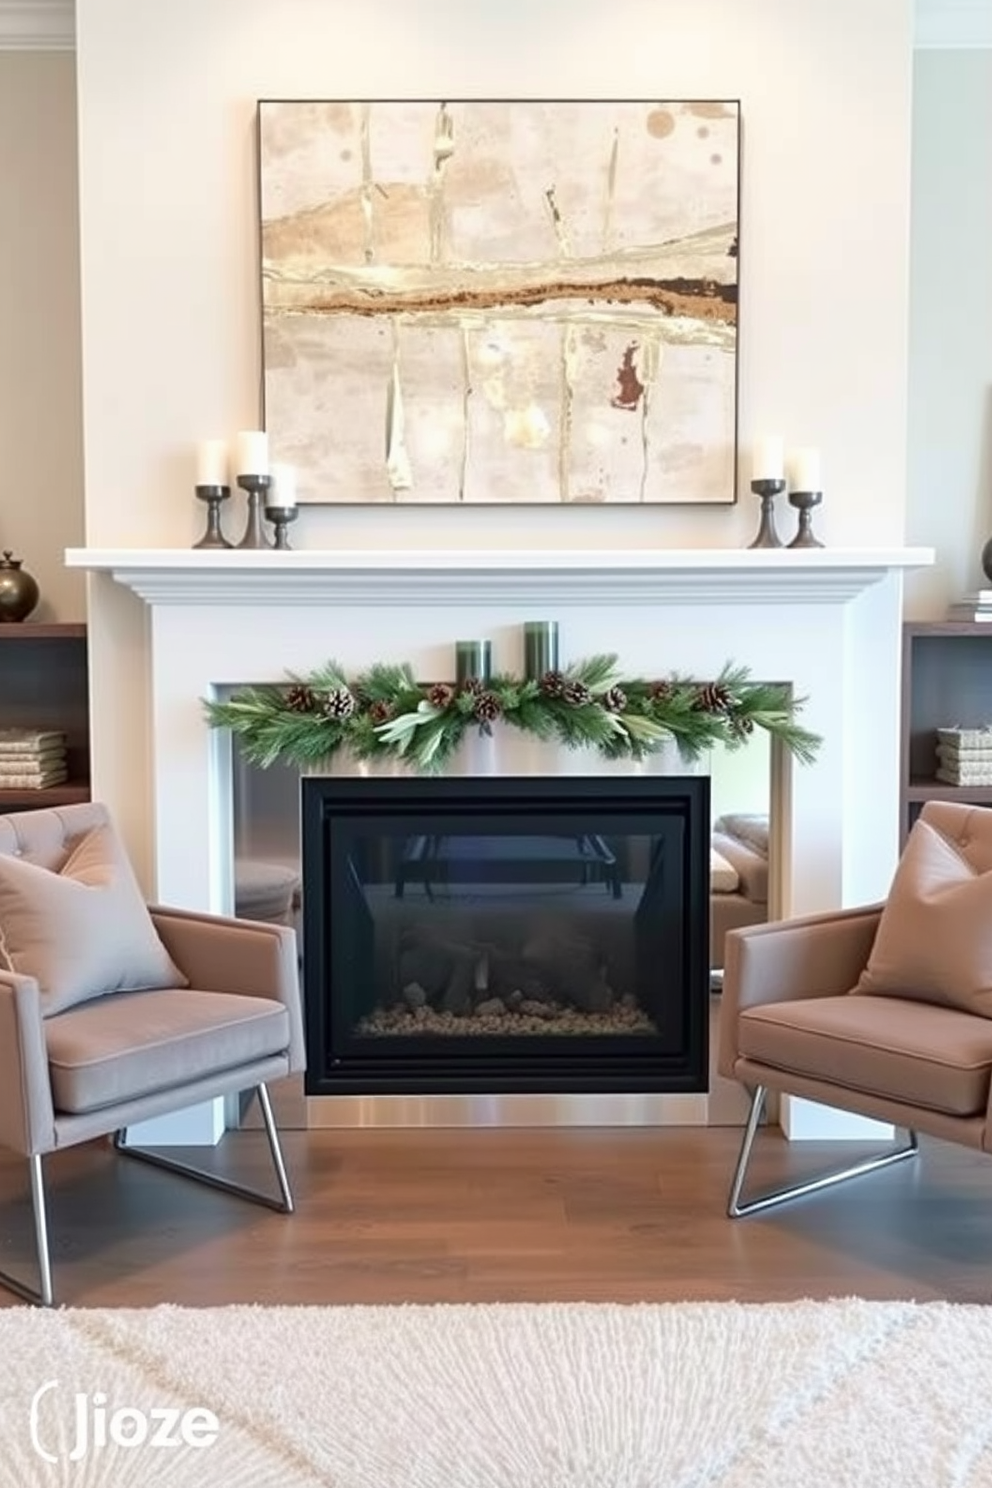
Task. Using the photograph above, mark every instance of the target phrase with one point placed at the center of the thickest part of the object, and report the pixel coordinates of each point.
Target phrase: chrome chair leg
(284, 1203)
(43, 1295)
(738, 1207)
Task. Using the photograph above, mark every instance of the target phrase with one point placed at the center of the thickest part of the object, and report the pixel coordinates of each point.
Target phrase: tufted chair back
(45, 838)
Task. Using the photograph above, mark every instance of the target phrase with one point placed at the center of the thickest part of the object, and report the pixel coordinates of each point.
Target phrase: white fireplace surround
(826, 621)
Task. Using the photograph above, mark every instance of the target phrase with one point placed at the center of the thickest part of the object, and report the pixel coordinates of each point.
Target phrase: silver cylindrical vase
(473, 661)
(540, 648)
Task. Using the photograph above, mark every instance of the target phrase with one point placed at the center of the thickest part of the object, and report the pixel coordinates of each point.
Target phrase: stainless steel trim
(343, 1111)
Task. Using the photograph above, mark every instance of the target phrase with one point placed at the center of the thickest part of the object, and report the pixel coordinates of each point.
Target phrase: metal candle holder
(213, 537)
(767, 537)
(540, 648)
(804, 502)
(473, 661)
(254, 534)
(280, 517)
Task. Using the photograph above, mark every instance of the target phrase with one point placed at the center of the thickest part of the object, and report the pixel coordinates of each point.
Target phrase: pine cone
(712, 697)
(472, 684)
(339, 704)
(615, 700)
(380, 711)
(440, 695)
(662, 691)
(552, 684)
(301, 699)
(487, 707)
(576, 693)
(741, 726)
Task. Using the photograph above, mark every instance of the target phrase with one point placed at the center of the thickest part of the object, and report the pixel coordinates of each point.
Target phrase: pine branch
(383, 684)
(327, 678)
(597, 672)
(394, 717)
(531, 717)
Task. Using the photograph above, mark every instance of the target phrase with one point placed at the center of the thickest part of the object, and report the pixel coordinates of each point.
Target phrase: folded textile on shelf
(30, 741)
(35, 781)
(966, 775)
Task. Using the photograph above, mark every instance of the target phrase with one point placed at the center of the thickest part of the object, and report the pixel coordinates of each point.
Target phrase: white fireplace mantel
(826, 620)
(240, 576)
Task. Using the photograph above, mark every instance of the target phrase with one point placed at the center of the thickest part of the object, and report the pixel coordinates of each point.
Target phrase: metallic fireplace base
(430, 1111)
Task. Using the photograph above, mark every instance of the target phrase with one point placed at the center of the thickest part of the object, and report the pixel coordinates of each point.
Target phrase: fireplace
(828, 621)
(504, 935)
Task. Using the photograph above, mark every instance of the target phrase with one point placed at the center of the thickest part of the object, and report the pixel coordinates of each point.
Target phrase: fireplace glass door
(505, 935)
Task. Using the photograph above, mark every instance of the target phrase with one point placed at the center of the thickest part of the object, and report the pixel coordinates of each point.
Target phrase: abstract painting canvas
(501, 303)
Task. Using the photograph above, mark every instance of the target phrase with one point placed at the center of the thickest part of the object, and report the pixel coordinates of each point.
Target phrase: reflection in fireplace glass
(507, 934)
(451, 921)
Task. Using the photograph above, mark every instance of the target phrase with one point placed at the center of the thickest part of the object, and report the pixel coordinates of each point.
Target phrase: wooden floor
(497, 1215)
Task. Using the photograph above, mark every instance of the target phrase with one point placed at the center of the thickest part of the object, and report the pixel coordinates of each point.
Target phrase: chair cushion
(264, 891)
(751, 868)
(903, 1051)
(748, 827)
(724, 878)
(83, 930)
(139, 1043)
(934, 939)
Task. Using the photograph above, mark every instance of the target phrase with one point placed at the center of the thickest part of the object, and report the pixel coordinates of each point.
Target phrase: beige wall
(950, 367)
(170, 297)
(167, 104)
(41, 474)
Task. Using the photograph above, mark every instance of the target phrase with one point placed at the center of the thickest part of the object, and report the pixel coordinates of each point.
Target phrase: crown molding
(37, 25)
(953, 24)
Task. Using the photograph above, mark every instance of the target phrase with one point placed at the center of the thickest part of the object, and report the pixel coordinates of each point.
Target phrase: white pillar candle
(251, 453)
(768, 460)
(211, 463)
(282, 491)
(804, 470)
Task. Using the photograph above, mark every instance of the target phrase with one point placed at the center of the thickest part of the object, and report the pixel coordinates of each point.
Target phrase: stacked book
(32, 759)
(975, 606)
(964, 756)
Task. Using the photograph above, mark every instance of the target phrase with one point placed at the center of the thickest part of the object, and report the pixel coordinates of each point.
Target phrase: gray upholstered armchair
(111, 1013)
(884, 1011)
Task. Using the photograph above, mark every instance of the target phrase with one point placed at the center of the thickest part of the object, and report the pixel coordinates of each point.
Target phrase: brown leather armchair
(229, 1020)
(804, 1013)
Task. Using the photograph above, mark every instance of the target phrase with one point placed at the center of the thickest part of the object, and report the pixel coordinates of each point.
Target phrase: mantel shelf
(712, 576)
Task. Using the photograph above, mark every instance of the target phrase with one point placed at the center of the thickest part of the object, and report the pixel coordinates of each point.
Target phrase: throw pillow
(934, 938)
(748, 827)
(84, 930)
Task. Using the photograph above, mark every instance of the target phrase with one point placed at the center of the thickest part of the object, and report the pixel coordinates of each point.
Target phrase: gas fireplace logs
(556, 982)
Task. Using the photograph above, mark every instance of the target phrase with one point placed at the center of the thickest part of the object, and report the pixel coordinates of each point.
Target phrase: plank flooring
(498, 1215)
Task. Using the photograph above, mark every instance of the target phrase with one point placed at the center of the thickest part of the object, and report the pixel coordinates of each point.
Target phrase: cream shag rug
(849, 1394)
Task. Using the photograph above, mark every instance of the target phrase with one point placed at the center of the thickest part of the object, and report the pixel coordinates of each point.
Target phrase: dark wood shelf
(939, 790)
(69, 630)
(948, 627)
(71, 793)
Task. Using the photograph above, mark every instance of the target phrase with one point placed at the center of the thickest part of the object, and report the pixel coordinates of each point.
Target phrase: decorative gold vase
(19, 592)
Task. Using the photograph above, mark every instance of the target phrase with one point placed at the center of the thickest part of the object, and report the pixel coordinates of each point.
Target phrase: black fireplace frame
(495, 1065)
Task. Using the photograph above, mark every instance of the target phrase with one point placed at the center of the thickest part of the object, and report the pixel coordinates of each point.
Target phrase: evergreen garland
(385, 713)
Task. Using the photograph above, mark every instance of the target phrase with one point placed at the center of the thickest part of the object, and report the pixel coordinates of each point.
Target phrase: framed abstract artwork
(501, 303)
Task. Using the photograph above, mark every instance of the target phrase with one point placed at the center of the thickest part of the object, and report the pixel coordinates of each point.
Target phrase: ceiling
(48, 25)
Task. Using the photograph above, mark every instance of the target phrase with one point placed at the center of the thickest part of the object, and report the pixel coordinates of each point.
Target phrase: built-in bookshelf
(946, 683)
(44, 684)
